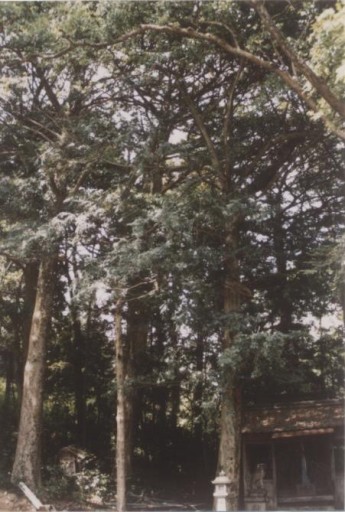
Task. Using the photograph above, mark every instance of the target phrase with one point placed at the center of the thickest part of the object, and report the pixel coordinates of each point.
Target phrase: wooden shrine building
(293, 456)
(72, 459)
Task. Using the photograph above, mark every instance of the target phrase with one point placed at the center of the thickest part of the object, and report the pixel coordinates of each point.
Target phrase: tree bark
(136, 344)
(27, 463)
(30, 273)
(229, 455)
(175, 394)
(121, 449)
(79, 381)
(230, 426)
(198, 392)
(78, 358)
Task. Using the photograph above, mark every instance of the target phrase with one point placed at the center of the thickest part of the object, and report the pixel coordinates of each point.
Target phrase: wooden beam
(302, 433)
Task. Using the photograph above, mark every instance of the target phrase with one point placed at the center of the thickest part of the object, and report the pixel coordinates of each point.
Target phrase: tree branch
(266, 179)
(47, 87)
(317, 82)
(229, 113)
(290, 81)
(202, 128)
(235, 51)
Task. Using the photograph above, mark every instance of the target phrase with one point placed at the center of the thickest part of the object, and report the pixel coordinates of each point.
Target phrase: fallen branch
(35, 502)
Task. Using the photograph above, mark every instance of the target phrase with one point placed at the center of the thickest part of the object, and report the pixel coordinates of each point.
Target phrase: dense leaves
(135, 153)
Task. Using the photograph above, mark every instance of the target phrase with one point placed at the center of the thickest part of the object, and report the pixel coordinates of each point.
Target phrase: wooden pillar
(274, 475)
(244, 468)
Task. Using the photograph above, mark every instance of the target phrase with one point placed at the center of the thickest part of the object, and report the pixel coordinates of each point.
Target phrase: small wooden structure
(297, 450)
(72, 459)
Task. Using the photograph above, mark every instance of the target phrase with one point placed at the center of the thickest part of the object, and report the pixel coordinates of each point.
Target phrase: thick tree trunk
(230, 439)
(121, 449)
(27, 461)
(31, 271)
(230, 427)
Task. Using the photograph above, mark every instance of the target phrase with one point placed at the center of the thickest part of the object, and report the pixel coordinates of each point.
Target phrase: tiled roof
(296, 416)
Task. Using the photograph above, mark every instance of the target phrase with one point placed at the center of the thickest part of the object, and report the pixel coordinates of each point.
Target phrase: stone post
(221, 492)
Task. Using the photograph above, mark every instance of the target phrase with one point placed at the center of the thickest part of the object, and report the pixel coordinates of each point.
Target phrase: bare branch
(225, 26)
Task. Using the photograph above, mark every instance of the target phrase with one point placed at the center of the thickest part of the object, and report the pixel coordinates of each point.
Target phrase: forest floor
(13, 501)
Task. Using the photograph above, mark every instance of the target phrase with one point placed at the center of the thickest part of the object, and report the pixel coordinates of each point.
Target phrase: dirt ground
(13, 501)
(9, 501)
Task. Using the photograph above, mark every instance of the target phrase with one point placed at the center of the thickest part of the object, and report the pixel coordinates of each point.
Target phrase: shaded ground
(13, 501)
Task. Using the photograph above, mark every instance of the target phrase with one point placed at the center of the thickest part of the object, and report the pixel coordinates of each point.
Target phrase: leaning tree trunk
(27, 461)
(230, 427)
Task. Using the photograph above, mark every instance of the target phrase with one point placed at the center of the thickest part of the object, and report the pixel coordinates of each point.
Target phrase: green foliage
(327, 54)
(103, 155)
(57, 485)
(91, 484)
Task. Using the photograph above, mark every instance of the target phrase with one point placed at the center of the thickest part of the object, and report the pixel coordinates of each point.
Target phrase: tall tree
(225, 154)
(178, 182)
(57, 102)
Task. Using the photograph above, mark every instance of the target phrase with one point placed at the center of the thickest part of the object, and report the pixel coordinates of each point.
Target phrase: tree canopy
(172, 216)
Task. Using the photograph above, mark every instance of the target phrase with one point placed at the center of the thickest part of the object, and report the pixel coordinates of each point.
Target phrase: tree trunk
(230, 439)
(175, 395)
(198, 391)
(121, 448)
(79, 380)
(31, 271)
(27, 463)
(230, 427)
(283, 301)
(78, 357)
(137, 334)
